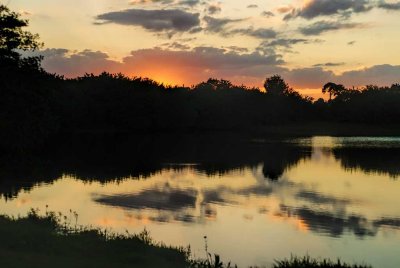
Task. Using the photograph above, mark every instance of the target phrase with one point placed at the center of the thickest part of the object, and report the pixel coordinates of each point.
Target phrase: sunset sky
(309, 43)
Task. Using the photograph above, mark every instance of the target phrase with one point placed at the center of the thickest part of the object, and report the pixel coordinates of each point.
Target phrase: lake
(255, 200)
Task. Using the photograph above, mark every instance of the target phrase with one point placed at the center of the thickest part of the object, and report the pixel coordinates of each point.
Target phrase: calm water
(256, 201)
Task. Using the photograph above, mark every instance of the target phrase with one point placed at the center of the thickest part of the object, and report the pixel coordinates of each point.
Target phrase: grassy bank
(36, 241)
(53, 241)
(308, 262)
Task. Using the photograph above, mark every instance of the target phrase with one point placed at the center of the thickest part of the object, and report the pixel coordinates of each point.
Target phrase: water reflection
(313, 194)
(106, 159)
(370, 160)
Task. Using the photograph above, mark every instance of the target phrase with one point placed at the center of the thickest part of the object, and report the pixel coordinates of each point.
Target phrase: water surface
(255, 200)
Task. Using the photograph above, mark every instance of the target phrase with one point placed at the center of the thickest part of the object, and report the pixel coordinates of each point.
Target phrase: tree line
(36, 105)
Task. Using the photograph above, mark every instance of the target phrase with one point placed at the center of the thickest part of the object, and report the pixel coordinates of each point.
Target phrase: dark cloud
(64, 62)
(350, 43)
(384, 74)
(267, 14)
(389, 6)
(189, 2)
(252, 6)
(173, 20)
(329, 64)
(320, 27)
(218, 25)
(237, 49)
(283, 42)
(176, 46)
(213, 9)
(316, 8)
(261, 33)
(135, 2)
(312, 77)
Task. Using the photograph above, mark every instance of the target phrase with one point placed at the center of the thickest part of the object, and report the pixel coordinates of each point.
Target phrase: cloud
(384, 74)
(206, 60)
(166, 2)
(170, 66)
(173, 20)
(320, 27)
(65, 62)
(283, 42)
(221, 26)
(218, 25)
(284, 9)
(189, 2)
(252, 6)
(213, 9)
(177, 46)
(316, 8)
(315, 77)
(182, 65)
(267, 14)
(135, 2)
(237, 49)
(305, 78)
(329, 64)
(389, 6)
(261, 33)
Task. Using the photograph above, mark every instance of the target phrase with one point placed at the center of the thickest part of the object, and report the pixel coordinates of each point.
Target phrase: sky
(184, 42)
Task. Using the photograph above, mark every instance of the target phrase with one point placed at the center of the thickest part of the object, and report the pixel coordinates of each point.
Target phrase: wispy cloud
(320, 27)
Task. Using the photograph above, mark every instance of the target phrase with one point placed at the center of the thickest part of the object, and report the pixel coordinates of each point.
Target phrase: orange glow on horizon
(171, 76)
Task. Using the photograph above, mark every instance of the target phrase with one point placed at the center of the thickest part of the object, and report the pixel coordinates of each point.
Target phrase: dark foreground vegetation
(49, 242)
(36, 105)
(308, 262)
(57, 241)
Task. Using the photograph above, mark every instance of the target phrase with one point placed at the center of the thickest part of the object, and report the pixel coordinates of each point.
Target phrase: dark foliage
(36, 105)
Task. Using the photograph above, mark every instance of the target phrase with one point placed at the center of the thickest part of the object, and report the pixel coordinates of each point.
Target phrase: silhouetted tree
(26, 116)
(275, 85)
(14, 38)
(333, 89)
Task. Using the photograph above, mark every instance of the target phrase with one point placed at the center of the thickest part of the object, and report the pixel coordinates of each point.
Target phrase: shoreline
(302, 129)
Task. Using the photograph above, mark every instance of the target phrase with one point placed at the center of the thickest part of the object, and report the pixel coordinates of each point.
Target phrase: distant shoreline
(333, 129)
(303, 129)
